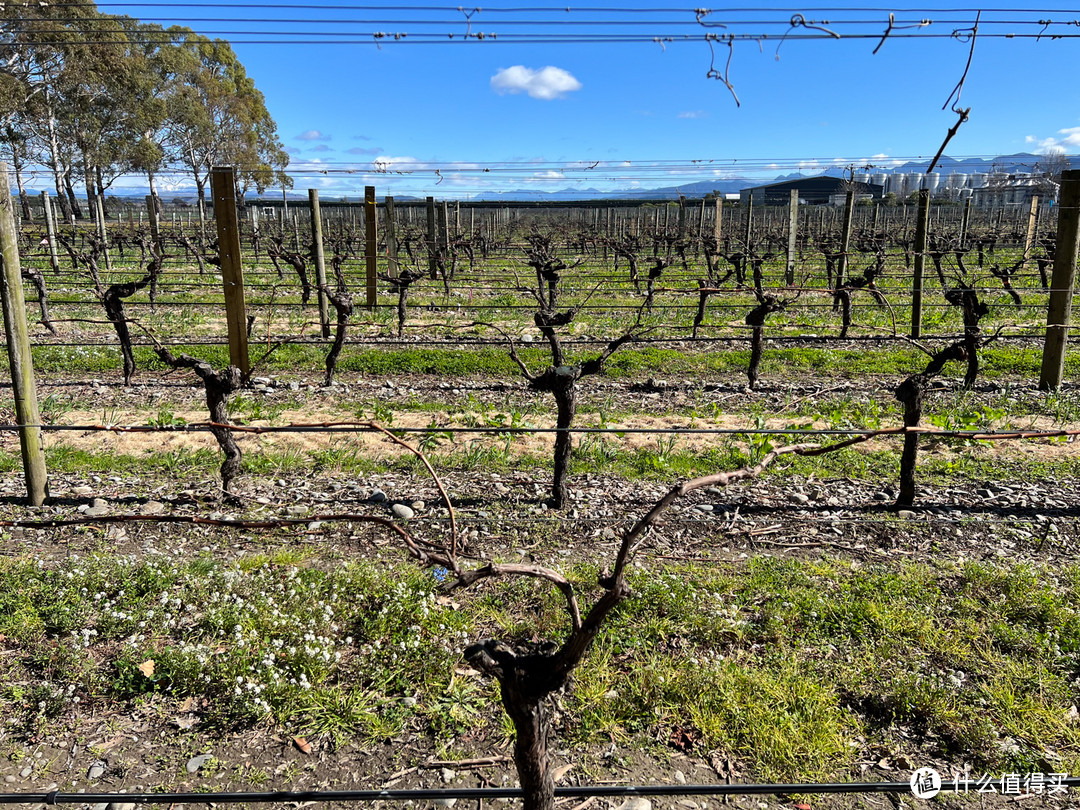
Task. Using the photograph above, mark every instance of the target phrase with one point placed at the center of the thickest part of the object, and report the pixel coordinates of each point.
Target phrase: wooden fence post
(50, 231)
(1059, 313)
(103, 233)
(845, 242)
(1029, 236)
(391, 240)
(718, 221)
(922, 227)
(223, 193)
(749, 222)
(253, 210)
(371, 244)
(23, 384)
(964, 222)
(792, 236)
(432, 239)
(319, 259)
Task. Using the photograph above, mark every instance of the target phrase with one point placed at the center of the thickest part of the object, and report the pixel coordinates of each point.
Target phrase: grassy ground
(797, 667)
(792, 667)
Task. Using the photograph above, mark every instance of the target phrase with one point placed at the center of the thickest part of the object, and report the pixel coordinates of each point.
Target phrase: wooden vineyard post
(319, 259)
(1059, 313)
(23, 384)
(253, 211)
(444, 228)
(922, 226)
(103, 233)
(432, 240)
(964, 222)
(749, 222)
(50, 231)
(371, 244)
(718, 220)
(792, 236)
(391, 240)
(223, 192)
(845, 240)
(1029, 236)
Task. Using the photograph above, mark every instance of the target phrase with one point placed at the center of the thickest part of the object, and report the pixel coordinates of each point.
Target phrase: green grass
(793, 668)
(629, 363)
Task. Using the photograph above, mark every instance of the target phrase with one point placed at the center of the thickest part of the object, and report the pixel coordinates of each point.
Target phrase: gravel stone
(196, 762)
(402, 511)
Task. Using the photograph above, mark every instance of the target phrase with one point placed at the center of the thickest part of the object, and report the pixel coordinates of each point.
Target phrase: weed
(166, 418)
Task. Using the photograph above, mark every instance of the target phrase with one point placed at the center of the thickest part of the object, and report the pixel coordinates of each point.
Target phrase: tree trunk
(565, 392)
(343, 304)
(34, 277)
(703, 298)
(73, 199)
(17, 167)
(57, 170)
(91, 195)
(910, 394)
(845, 310)
(218, 385)
(402, 311)
(756, 342)
(200, 185)
(533, 726)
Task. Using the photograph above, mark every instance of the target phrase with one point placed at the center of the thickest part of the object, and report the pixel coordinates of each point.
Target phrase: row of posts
(223, 190)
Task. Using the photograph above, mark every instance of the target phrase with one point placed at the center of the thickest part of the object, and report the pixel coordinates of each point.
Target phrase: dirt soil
(154, 745)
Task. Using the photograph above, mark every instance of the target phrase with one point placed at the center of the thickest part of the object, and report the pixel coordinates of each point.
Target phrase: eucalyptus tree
(16, 148)
(217, 116)
(44, 50)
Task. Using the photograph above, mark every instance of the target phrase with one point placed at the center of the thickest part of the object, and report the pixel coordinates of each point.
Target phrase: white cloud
(1069, 140)
(546, 84)
(312, 135)
(693, 114)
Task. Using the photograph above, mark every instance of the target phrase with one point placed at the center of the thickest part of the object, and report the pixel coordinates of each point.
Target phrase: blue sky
(537, 115)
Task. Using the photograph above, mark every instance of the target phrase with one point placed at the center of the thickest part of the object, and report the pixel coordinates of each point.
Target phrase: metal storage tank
(978, 180)
(879, 178)
(932, 182)
(863, 177)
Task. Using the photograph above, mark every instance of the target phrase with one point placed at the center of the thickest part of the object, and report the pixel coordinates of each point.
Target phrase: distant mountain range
(1020, 162)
